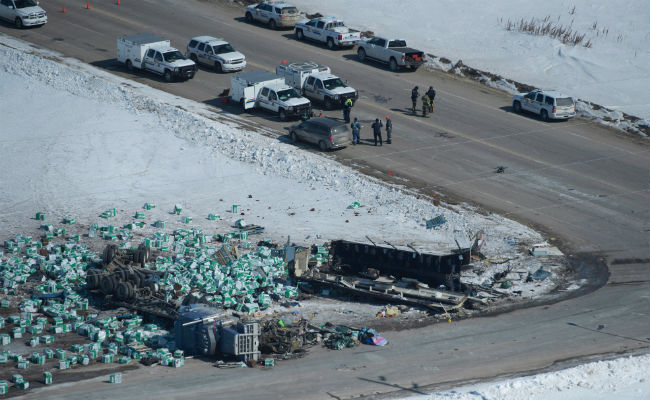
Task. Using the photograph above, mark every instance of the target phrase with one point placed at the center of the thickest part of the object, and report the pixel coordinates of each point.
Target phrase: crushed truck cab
(317, 82)
(155, 54)
(265, 90)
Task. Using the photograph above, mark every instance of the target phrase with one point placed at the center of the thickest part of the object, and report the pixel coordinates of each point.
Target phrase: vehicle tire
(124, 291)
(107, 284)
(322, 145)
(392, 64)
(329, 104)
(109, 254)
(218, 67)
(249, 17)
(146, 251)
(330, 43)
(361, 53)
(293, 137)
(92, 279)
(273, 24)
(129, 66)
(299, 34)
(544, 115)
(517, 107)
(19, 23)
(414, 67)
(168, 75)
(283, 115)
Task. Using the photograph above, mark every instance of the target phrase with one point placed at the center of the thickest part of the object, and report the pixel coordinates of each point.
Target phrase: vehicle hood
(297, 101)
(182, 63)
(519, 96)
(23, 12)
(235, 55)
(342, 90)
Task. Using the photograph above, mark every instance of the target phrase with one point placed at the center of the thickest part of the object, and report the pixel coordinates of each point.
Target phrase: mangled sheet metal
(400, 262)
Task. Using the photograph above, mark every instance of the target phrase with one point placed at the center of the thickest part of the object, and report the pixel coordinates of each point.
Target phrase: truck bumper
(347, 43)
(185, 73)
(34, 21)
(234, 67)
(300, 111)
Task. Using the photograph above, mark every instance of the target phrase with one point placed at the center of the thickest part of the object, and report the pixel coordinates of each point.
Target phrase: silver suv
(22, 12)
(216, 53)
(548, 104)
(277, 14)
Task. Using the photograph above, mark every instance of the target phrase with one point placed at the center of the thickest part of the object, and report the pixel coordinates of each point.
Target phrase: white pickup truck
(263, 89)
(329, 30)
(393, 52)
(317, 82)
(152, 53)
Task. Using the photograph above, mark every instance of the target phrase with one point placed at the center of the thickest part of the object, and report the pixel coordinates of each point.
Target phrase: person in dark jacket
(414, 97)
(389, 129)
(356, 131)
(347, 106)
(426, 105)
(376, 130)
(432, 95)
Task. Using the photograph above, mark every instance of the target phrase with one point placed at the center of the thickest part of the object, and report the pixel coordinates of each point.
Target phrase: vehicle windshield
(333, 83)
(224, 48)
(172, 56)
(287, 94)
(397, 43)
(25, 3)
(290, 10)
(337, 24)
(565, 101)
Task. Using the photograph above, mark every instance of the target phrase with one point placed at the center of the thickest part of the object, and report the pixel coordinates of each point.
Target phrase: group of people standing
(427, 107)
(427, 100)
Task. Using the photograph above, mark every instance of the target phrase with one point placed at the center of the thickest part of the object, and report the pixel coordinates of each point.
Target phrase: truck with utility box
(149, 52)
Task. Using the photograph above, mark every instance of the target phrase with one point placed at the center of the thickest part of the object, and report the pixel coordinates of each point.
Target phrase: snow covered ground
(614, 72)
(624, 378)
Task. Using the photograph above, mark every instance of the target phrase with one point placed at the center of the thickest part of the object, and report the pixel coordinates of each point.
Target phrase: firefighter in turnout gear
(426, 105)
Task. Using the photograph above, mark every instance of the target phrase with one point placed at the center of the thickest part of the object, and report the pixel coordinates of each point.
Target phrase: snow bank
(623, 379)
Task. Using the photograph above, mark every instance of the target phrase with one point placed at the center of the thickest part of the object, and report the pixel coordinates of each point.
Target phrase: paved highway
(586, 186)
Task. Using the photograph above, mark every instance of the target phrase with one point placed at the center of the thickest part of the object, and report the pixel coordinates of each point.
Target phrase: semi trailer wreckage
(212, 297)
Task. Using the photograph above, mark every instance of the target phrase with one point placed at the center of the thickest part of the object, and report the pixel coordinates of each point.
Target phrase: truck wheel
(272, 24)
(361, 53)
(249, 17)
(129, 66)
(328, 103)
(299, 34)
(124, 291)
(107, 284)
(544, 115)
(330, 43)
(217, 67)
(517, 107)
(392, 64)
(92, 279)
(168, 75)
(322, 145)
(293, 137)
(283, 115)
(19, 23)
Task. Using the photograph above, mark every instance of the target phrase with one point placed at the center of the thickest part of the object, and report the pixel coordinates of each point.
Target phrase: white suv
(22, 12)
(548, 104)
(216, 53)
(277, 14)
